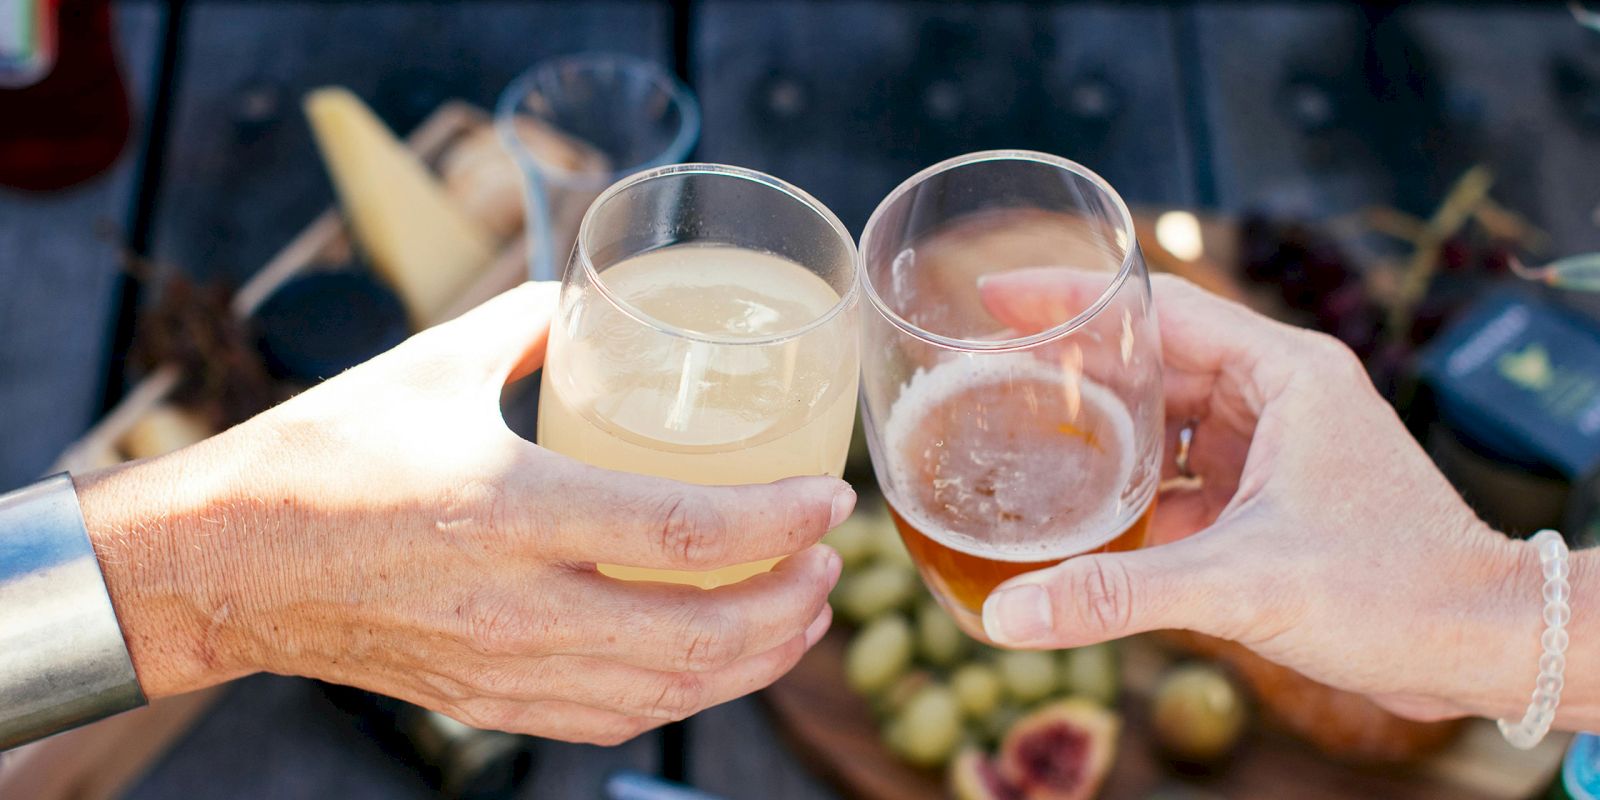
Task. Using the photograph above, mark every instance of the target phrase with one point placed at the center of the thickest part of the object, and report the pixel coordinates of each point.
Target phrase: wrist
(155, 526)
(1521, 618)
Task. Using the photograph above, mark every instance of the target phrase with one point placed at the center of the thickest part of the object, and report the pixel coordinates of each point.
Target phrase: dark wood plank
(243, 174)
(737, 752)
(846, 99)
(272, 736)
(1501, 68)
(57, 275)
(1323, 108)
(579, 771)
(1267, 72)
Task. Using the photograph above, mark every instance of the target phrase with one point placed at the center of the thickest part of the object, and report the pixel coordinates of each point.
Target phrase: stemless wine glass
(576, 124)
(707, 332)
(1009, 429)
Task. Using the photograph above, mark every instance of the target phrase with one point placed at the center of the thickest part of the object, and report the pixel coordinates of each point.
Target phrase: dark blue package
(1520, 377)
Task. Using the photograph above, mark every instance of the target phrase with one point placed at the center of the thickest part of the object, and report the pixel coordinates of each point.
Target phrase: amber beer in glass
(1009, 435)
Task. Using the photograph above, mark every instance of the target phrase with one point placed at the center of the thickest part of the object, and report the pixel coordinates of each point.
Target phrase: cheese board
(833, 729)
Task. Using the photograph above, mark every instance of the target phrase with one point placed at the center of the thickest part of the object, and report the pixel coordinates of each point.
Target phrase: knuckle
(1106, 590)
(678, 696)
(711, 640)
(1330, 354)
(689, 531)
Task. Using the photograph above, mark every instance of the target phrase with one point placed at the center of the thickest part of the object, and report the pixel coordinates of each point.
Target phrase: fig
(927, 730)
(939, 639)
(1029, 675)
(880, 653)
(973, 776)
(1198, 713)
(977, 688)
(1061, 751)
(1091, 672)
(873, 591)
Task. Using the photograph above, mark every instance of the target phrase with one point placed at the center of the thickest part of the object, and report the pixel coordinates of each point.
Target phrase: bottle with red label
(64, 114)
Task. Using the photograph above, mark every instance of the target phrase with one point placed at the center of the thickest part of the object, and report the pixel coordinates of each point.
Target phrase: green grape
(1029, 675)
(873, 591)
(853, 541)
(900, 692)
(939, 640)
(1199, 714)
(1092, 672)
(887, 545)
(977, 689)
(880, 653)
(928, 729)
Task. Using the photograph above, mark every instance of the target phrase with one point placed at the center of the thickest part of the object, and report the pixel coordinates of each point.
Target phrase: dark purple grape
(1352, 318)
(1456, 254)
(1496, 258)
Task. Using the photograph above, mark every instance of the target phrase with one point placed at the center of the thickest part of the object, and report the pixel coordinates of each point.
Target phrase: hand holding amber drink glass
(1007, 442)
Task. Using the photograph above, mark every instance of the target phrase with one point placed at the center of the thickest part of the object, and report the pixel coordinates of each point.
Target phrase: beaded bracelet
(1535, 723)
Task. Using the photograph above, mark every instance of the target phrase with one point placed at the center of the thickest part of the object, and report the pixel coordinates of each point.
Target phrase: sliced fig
(973, 776)
(1061, 751)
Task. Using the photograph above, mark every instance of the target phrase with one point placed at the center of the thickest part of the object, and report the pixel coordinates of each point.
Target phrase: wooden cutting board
(832, 728)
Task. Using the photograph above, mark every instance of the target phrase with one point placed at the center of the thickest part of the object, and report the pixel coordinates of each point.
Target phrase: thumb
(1095, 598)
(506, 333)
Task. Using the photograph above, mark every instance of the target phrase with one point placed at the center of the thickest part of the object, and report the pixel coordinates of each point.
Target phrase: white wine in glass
(711, 360)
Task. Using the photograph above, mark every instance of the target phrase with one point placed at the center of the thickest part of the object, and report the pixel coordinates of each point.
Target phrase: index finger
(584, 513)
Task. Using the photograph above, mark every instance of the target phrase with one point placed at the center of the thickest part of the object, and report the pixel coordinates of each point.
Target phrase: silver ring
(1185, 440)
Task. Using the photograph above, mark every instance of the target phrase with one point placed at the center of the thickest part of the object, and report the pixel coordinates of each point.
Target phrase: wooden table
(1284, 106)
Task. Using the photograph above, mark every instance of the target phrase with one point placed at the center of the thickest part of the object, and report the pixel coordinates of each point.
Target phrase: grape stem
(1469, 193)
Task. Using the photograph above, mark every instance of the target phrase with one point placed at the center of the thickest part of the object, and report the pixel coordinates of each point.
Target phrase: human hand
(1323, 538)
(386, 530)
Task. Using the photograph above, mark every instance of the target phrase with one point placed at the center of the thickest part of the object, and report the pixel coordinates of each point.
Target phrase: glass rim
(521, 86)
(586, 260)
(1020, 342)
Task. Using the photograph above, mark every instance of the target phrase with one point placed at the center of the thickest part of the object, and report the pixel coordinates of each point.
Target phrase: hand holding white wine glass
(707, 332)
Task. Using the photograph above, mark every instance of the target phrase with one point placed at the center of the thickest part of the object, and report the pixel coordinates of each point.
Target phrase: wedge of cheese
(413, 234)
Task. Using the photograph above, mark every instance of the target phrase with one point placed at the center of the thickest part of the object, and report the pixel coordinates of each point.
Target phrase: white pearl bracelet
(1535, 723)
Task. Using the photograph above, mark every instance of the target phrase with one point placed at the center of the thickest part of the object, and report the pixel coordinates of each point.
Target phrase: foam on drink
(1009, 459)
(1003, 465)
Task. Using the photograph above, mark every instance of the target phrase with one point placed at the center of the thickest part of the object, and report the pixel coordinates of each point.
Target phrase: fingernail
(819, 626)
(835, 564)
(844, 501)
(1018, 615)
